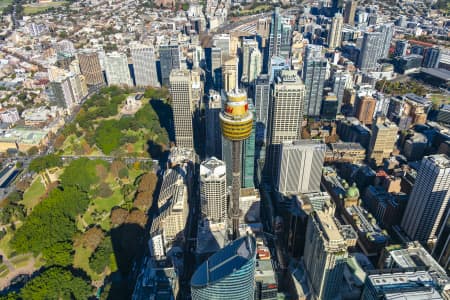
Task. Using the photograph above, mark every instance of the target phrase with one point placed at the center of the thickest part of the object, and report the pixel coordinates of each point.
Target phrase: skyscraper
(285, 115)
(349, 12)
(213, 134)
(370, 50)
(431, 57)
(237, 123)
(144, 64)
(223, 42)
(314, 70)
(387, 31)
(230, 73)
(169, 58)
(382, 141)
(117, 71)
(275, 34)
(286, 38)
(262, 99)
(341, 81)
(255, 65)
(213, 190)
(248, 156)
(247, 47)
(182, 106)
(216, 67)
(90, 67)
(334, 37)
(325, 255)
(300, 166)
(228, 274)
(429, 199)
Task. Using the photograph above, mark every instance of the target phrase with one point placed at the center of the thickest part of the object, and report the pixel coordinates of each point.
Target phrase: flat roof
(440, 73)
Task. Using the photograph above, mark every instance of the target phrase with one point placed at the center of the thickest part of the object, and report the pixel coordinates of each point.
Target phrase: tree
(39, 164)
(33, 151)
(60, 254)
(108, 136)
(56, 283)
(116, 166)
(104, 191)
(51, 221)
(101, 258)
(123, 173)
(81, 173)
(137, 217)
(15, 197)
(118, 216)
(91, 238)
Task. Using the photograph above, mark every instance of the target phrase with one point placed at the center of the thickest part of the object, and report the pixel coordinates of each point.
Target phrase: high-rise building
(431, 57)
(144, 65)
(334, 37)
(169, 59)
(213, 133)
(213, 190)
(262, 100)
(325, 255)
(228, 274)
(90, 67)
(237, 123)
(401, 47)
(365, 110)
(285, 115)
(216, 67)
(387, 31)
(248, 155)
(230, 74)
(255, 65)
(382, 141)
(349, 12)
(223, 42)
(370, 50)
(329, 107)
(429, 199)
(300, 166)
(286, 37)
(117, 71)
(400, 285)
(248, 45)
(182, 106)
(341, 81)
(314, 71)
(275, 34)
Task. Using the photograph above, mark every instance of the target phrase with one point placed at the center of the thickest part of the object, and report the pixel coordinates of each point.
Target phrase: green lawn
(32, 195)
(3, 270)
(102, 206)
(21, 260)
(36, 8)
(81, 260)
(4, 243)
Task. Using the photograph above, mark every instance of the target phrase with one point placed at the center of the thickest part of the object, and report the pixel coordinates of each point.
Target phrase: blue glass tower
(228, 274)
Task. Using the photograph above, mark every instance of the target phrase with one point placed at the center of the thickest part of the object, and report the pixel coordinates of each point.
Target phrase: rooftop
(224, 262)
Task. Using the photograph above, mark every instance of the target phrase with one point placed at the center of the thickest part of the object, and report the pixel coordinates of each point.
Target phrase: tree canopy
(56, 283)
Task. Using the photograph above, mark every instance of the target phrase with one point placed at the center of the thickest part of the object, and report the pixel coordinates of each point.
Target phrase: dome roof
(353, 192)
